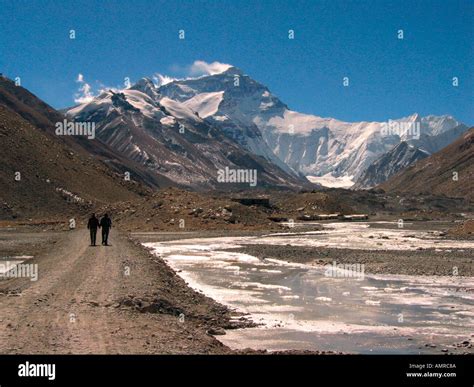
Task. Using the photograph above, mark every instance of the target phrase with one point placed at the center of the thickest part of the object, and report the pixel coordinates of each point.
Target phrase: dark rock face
(449, 172)
(172, 141)
(400, 157)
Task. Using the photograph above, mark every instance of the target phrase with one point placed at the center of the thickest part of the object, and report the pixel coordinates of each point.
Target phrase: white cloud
(161, 79)
(84, 93)
(200, 67)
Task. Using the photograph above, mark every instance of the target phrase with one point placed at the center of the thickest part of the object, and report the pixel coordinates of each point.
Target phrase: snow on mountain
(229, 107)
(331, 181)
(410, 150)
(439, 124)
(401, 156)
(205, 104)
(146, 86)
(107, 101)
(330, 151)
(248, 112)
(179, 110)
(171, 139)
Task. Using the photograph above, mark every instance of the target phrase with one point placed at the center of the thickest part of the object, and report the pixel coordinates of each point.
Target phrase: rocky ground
(464, 230)
(414, 262)
(115, 299)
(174, 209)
(84, 302)
(423, 262)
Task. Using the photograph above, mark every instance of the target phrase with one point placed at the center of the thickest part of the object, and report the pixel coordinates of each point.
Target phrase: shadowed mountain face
(42, 175)
(449, 171)
(400, 157)
(170, 139)
(405, 154)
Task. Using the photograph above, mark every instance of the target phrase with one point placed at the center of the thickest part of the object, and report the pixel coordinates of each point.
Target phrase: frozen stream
(300, 307)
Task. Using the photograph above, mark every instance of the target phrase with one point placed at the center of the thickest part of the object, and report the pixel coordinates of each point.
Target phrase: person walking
(106, 225)
(92, 225)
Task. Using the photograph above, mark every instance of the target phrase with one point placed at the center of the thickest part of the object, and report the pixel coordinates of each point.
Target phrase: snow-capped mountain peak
(180, 140)
(247, 112)
(146, 86)
(439, 124)
(307, 143)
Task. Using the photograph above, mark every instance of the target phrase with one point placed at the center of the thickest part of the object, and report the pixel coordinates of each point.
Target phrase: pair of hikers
(105, 223)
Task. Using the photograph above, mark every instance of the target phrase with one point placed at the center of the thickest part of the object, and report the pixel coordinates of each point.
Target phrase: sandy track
(76, 306)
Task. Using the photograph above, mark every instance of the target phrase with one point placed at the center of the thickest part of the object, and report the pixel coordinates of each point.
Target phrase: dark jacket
(93, 223)
(105, 222)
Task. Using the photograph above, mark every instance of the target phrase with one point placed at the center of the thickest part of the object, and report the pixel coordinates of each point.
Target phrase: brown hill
(41, 115)
(437, 173)
(41, 175)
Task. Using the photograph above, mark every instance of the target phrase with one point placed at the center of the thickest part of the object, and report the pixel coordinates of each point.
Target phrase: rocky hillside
(43, 174)
(42, 116)
(400, 157)
(170, 139)
(448, 172)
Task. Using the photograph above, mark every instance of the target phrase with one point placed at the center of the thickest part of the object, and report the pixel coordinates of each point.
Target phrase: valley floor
(121, 299)
(377, 259)
(103, 300)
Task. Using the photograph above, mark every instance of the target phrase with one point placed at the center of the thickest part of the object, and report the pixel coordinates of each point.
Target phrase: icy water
(300, 307)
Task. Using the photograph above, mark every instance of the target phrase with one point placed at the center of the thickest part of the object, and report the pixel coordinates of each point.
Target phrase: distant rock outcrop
(448, 172)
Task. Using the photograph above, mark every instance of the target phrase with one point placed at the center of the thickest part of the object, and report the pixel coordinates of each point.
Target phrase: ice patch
(331, 181)
(292, 299)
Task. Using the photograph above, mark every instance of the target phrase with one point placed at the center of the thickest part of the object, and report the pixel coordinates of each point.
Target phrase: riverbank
(419, 262)
(420, 248)
(124, 299)
(298, 306)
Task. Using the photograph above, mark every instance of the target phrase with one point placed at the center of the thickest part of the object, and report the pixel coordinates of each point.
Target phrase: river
(300, 307)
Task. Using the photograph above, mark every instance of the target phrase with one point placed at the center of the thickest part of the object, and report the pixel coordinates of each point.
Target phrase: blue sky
(389, 77)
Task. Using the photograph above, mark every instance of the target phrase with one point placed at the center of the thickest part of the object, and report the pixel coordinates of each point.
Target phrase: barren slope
(435, 173)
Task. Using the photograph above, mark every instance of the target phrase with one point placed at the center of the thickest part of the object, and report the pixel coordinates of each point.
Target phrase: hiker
(106, 225)
(92, 225)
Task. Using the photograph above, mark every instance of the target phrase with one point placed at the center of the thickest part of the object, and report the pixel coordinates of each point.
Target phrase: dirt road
(105, 300)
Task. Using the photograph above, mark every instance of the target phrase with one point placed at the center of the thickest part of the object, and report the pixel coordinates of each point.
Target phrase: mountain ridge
(248, 114)
(171, 139)
(308, 144)
(449, 171)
